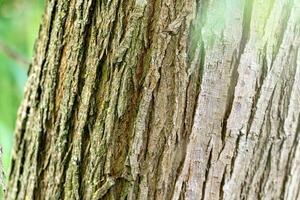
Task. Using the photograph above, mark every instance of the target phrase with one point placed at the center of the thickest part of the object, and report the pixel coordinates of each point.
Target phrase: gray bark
(162, 99)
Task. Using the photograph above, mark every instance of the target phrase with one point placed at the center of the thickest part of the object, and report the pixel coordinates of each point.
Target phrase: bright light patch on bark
(141, 2)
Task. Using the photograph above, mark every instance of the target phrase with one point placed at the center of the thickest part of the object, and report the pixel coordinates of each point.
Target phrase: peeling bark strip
(162, 99)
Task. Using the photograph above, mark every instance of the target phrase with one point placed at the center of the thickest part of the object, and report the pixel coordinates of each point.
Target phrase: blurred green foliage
(19, 25)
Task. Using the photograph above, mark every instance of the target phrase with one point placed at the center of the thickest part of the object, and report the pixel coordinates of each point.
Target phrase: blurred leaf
(19, 24)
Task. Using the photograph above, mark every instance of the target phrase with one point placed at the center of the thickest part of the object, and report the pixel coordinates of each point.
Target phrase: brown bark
(162, 99)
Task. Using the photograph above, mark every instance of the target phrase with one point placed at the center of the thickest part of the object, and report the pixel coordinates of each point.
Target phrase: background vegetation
(19, 24)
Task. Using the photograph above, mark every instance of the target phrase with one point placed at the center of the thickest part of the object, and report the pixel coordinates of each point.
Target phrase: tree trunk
(162, 99)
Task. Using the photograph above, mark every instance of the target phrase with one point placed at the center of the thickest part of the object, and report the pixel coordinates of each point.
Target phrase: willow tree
(162, 99)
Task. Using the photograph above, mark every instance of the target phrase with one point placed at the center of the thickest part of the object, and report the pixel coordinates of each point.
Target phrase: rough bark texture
(162, 99)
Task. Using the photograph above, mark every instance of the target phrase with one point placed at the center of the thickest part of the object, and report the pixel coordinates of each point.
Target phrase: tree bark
(162, 99)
